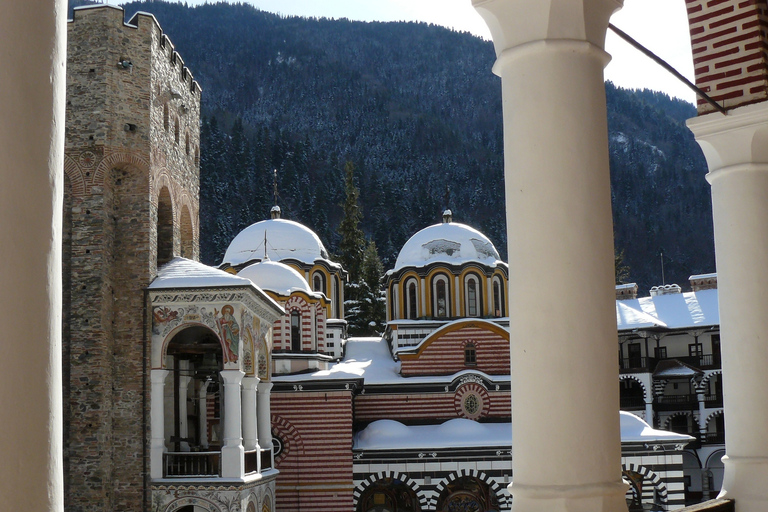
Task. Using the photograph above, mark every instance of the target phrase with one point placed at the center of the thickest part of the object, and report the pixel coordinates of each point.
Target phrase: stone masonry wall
(729, 50)
(115, 160)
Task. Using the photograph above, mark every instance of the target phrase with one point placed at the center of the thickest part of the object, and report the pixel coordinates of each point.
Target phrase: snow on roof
(184, 273)
(449, 242)
(370, 359)
(674, 311)
(276, 277)
(669, 368)
(285, 239)
(465, 433)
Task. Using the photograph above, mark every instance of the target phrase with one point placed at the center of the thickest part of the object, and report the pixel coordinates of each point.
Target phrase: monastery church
(183, 387)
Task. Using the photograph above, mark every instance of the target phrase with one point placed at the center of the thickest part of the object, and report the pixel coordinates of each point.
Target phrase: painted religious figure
(230, 333)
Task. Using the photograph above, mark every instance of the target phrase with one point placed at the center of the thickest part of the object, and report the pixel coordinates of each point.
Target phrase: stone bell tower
(130, 205)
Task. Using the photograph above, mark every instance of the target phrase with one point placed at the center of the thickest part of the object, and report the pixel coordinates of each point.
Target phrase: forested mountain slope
(418, 111)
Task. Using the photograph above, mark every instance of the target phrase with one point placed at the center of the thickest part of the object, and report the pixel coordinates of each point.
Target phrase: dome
(449, 242)
(275, 277)
(286, 239)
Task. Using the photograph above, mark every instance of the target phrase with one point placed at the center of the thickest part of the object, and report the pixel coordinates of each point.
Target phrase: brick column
(32, 97)
(736, 149)
(565, 399)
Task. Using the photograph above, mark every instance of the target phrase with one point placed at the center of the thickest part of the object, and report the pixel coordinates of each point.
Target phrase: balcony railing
(714, 437)
(637, 364)
(713, 400)
(632, 402)
(191, 464)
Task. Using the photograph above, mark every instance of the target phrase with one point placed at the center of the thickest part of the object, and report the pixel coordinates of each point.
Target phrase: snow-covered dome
(275, 277)
(449, 242)
(285, 239)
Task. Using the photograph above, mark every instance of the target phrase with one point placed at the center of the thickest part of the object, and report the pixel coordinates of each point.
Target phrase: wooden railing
(191, 464)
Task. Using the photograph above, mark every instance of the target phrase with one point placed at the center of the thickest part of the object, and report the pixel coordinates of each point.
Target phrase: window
(473, 307)
(716, 349)
(498, 299)
(470, 355)
(695, 350)
(442, 303)
(660, 352)
(295, 331)
(412, 311)
(318, 282)
(634, 354)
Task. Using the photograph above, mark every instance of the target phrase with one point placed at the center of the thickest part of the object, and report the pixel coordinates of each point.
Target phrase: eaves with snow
(690, 310)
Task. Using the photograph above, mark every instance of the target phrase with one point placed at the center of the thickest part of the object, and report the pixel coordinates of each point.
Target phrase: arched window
(295, 331)
(336, 298)
(393, 302)
(499, 305)
(470, 354)
(411, 303)
(318, 282)
(164, 227)
(166, 124)
(176, 129)
(472, 298)
(186, 143)
(440, 290)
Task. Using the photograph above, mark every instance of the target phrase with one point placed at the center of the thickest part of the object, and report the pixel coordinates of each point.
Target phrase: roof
(276, 277)
(670, 368)
(285, 239)
(673, 311)
(465, 433)
(184, 273)
(449, 242)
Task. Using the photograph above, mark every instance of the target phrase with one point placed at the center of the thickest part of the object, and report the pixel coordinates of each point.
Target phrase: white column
(264, 418)
(736, 149)
(32, 96)
(422, 311)
(157, 422)
(565, 414)
(250, 432)
(702, 414)
(203, 415)
(649, 410)
(183, 419)
(232, 453)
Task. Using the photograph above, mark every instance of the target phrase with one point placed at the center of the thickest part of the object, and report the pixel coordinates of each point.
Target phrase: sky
(660, 25)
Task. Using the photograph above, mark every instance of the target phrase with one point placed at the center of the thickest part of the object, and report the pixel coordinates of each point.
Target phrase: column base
(156, 469)
(232, 461)
(605, 497)
(746, 481)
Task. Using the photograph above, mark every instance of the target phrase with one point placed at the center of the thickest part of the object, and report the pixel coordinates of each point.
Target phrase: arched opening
(192, 403)
(634, 494)
(472, 296)
(716, 429)
(692, 476)
(632, 395)
(389, 495)
(681, 424)
(166, 118)
(336, 299)
(164, 227)
(295, 331)
(499, 305)
(318, 283)
(467, 493)
(393, 302)
(411, 306)
(186, 234)
(441, 306)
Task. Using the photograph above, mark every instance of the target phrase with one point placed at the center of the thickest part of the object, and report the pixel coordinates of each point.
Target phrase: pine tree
(352, 245)
(372, 298)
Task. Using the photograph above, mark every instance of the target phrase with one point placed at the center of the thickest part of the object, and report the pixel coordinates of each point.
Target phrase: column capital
(517, 22)
(158, 376)
(232, 376)
(265, 387)
(738, 141)
(250, 383)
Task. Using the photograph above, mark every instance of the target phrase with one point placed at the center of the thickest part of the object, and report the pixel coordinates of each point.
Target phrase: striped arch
(118, 159)
(718, 412)
(292, 441)
(192, 500)
(160, 181)
(668, 419)
(381, 475)
(646, 391)
(704, 384)
(653, 478)
(75, 174)
(505, 499)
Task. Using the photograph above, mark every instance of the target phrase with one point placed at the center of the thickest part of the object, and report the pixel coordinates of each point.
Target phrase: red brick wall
(443, 352)
(728, 38)
(316, 462)
(436, 407)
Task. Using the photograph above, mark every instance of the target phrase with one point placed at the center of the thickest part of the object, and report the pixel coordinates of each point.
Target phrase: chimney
(447, 216)
(626, 291)
(703, 282)
(667, 289)
(275, 212)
